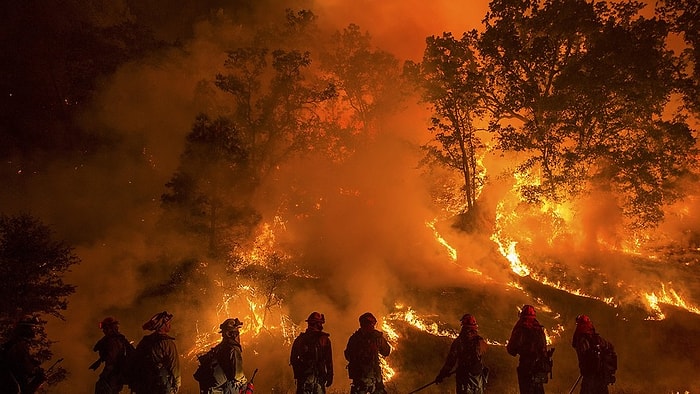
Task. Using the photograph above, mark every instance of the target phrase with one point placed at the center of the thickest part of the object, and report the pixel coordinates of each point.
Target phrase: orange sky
(402, 27)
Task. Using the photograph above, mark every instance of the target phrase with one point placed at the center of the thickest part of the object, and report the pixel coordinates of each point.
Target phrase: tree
(367, 79)
(32, 265)
(451, 83)
(210, 188)
(275, 101)
(683, 17)
(581, 88)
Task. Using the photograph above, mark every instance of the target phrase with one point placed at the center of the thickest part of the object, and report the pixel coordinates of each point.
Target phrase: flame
(668, 297)
(562, 213)
(577, 292)
(392, 337)
(452, 251)
(408, 315)
(258, 307)
(555, 332)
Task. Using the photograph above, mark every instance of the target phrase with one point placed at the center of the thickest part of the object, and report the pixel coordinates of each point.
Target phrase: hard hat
(316, 317)
(583, 319)
(368, 318)
(468, 321)
(528, 310)
(108, 322)
(230, 325)
(157, 321)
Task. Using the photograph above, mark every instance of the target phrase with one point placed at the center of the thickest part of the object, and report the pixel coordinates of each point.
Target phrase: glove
(329, 380)
(439, 378)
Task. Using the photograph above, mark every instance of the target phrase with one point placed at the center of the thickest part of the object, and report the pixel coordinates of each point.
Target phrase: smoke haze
(369, 246)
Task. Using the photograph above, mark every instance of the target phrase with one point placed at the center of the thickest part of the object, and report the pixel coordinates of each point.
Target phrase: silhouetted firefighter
(466, 353)
(362, 352)
(311, 357)
(20, 371)
(114, 350)
(220, 370)
(597, 360)
(155, 365)
(528, 340)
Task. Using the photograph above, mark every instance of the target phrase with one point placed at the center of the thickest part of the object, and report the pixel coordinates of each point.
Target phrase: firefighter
(312, 358)
(114, 349)
(528, 340)
(466, 352)
(597, 360)
(229, 354)
(20, 372)
(362, 353)
(220, 369)
(156, 362)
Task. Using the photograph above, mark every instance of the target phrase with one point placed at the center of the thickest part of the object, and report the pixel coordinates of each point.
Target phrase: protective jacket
(158, 365)
(113, 349)
(229, 355)
(362, 352)
(590, 347)
(528, 340)
(311, 359)
(466, 353)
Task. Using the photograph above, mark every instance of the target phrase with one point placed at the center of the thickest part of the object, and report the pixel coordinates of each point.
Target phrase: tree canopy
(32, 266)
(580, 89)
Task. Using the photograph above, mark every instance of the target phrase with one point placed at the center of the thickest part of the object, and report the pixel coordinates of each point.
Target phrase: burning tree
(451, 81)
(580, 89)
(588, 85)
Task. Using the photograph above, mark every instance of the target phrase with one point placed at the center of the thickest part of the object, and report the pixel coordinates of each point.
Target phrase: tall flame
(452, 251)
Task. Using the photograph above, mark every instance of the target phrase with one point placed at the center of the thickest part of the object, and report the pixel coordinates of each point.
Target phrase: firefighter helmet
(368, 318)
(583, 319)
(230, 325)
(157, 321)
(108, 322)
(468, 321)
(527, 311)
(316, 317)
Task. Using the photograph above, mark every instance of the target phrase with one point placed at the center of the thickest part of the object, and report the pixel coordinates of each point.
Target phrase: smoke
(367, 247)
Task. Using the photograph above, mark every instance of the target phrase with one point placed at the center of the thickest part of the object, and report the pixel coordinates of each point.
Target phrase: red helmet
(528, 310)
(316, 317)
(583, 319)
(108, 322)
(468, 321)
(368, 318)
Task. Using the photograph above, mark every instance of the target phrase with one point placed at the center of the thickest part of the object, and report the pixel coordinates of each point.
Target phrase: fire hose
(430, 384)
(575, 384)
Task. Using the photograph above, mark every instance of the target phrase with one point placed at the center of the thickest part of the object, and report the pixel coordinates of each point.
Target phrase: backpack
(125, 359)
(142, 372)
(607, 359)
(542, 369)
(469, 357)
(209, 373)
